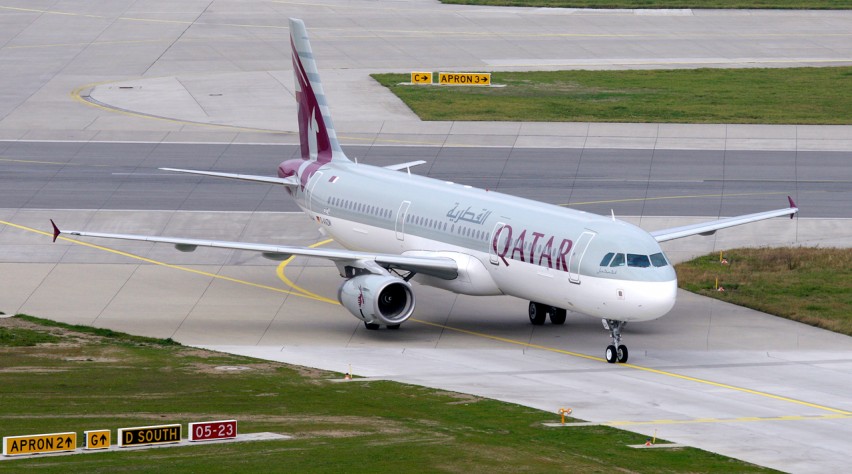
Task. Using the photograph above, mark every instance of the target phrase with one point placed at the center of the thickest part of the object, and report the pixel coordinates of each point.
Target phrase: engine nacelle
(377, 299)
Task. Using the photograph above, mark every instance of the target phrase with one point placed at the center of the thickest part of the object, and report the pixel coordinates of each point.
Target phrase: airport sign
(40, 443)
(145, 435)
(97, 439)
(421, 77)
(210, 430)
(465, 78)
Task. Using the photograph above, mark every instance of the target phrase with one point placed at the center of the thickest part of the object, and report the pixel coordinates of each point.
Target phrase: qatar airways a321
(396, 227)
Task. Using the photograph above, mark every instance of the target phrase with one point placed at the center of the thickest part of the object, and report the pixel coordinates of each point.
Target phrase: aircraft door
(400, 220)
(309, 190)
(576, 256)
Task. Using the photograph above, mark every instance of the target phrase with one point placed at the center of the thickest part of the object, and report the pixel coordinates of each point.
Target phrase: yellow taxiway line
(301, 292)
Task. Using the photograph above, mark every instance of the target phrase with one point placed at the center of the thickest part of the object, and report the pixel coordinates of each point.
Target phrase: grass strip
(810, 285)
(90, 381)
(764, 96)
(650, 4)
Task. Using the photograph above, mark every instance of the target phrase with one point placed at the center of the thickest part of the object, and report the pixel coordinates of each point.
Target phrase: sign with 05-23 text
(465, 78)
(97, 439)
(210, 430)
(421, 77)
(144, 435)
(40, 443)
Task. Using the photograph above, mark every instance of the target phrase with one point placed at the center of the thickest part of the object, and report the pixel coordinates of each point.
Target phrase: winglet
(56, 230)
(794, 206)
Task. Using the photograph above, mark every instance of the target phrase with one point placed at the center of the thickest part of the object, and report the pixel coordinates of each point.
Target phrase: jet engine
(377, 299)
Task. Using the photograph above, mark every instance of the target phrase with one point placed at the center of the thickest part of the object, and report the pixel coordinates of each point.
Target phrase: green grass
(810, 285)
(764, 96)
(705, 4)
(88, 381)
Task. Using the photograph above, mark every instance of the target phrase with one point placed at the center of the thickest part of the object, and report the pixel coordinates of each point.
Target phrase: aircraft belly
(606, 298)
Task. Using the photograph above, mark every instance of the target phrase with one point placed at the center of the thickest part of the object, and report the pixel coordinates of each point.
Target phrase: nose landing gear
(615, 352)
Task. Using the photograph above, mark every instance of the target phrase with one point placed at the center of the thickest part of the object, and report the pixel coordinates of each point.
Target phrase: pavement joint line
(298, 291)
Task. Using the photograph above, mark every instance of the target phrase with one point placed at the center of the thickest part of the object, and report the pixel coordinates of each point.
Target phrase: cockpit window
(606, 259)
(636, 260)
(659, 260)
(618, 260)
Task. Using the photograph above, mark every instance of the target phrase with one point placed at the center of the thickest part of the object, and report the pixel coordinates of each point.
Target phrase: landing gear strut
(615, 352)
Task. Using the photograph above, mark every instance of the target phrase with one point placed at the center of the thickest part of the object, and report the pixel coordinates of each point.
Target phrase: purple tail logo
(313, 133)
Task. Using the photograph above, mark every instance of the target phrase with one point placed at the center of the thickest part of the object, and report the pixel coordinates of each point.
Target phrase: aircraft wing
(708, 228)
(440, 267)
(291, 181)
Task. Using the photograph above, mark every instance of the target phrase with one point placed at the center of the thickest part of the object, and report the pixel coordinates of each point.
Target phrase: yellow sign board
(97, 439)
(421, 77)
(465, 78)
(145, 435)
(40, 443)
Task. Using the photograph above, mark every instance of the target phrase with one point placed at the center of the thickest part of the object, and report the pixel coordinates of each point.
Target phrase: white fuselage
(502, 244)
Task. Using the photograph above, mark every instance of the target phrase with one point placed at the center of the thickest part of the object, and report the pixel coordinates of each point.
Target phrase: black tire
(371, 326)
(538, 313)
(558, 315)
(393, 326)
(611, 354)
(622, 354)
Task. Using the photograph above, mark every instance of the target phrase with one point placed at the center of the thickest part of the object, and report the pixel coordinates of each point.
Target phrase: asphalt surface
(629, 182)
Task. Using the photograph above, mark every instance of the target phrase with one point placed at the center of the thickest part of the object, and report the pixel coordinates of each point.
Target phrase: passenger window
(618, 260)
(636, 260)
(659, 260)
(606, 259)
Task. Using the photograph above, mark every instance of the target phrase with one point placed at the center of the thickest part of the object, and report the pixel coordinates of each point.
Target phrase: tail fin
(316, 131)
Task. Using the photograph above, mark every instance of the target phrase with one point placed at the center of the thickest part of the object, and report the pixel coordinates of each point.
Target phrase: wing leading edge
(708, 228)
(440, 267)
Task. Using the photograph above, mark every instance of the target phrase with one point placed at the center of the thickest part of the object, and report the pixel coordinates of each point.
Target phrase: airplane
(397, 227)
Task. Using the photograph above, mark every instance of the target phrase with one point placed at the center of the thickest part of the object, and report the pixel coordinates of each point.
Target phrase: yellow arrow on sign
(421, 77)
(97, 439)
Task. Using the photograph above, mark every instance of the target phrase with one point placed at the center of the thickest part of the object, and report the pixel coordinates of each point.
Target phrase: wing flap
(709, 228)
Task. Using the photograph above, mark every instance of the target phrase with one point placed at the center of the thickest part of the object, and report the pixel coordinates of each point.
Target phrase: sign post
(465, 78)
(40, 443)
(210, 430)
(97, 439)
(145, 435)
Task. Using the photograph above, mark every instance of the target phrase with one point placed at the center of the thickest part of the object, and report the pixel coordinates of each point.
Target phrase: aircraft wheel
(611, 354)
(538, 313)
(371, 326)
(622, 354)
(393, 326)
(558, 315)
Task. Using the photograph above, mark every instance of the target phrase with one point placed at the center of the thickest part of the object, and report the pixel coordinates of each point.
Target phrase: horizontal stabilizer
(289, 181)
(402, 166)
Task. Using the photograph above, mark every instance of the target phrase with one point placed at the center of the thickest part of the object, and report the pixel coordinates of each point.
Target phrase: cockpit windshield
(635, 260)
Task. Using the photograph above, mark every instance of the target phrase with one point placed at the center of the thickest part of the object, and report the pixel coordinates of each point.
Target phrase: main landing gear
(615, 352)
(539, 312)
(375, 326)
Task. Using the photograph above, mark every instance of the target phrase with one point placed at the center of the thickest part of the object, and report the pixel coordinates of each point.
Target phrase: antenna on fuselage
(612, 211)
